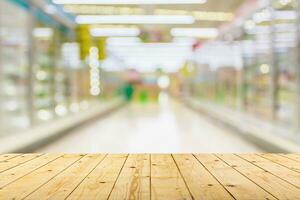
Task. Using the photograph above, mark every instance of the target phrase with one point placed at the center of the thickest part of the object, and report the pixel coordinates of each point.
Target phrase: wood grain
(29, 183)
(274, 168)
(99, 183)
(134, 180)
(166, 181)
(199, 180)
(237, 184)
(150, 176)
(266, 180)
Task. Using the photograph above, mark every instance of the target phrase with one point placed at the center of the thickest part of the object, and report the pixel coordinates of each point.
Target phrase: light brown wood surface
(150, 176)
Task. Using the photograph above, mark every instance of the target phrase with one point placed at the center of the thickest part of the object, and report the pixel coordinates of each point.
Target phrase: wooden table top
(145, 176)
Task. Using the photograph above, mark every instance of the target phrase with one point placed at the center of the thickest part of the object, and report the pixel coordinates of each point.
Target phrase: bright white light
(50, 9)
(263, 16)
(284, 2)
(135, 19)
(163, 82)
(163, 99)
(71, 55)
(60, 110)
(42, 32)
(195, 32)
(44, 115)
(94, 72)
(184, 40)
(95, 91)
(249, 25)
(107, 32)
(128, 2)
(264, 68)
(41, 75)
(285, 15)
(148, 57)
(122, 40)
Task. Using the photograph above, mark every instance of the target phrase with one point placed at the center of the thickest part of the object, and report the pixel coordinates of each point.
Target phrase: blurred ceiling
(213, 13)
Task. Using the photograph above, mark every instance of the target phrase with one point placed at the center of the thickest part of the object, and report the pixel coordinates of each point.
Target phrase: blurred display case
(61, 75)
(14, 65)
(40, 80)
(44, 72)
(285, 50)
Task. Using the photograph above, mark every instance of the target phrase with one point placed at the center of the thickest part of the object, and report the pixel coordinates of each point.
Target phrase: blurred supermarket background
(149, 75)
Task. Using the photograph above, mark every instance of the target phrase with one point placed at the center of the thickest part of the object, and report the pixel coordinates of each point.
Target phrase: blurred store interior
(149, 76)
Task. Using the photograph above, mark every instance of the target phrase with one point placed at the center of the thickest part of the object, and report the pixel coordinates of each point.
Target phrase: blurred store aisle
(155, 128)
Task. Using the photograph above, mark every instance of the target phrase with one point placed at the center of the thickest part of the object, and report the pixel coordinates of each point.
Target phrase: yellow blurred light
(170, 12)
(213, 16)
(264, 69)
(103, 10)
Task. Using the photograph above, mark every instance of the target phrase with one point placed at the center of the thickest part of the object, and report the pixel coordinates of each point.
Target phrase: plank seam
(270, 171)
(117, 177)
(6, 159)
(22, 163)
(279, 163)
(192, 196)
(54, 177)
(247, 176)
(214, 177)
(29, 172)
(289, 158)
(86, 176)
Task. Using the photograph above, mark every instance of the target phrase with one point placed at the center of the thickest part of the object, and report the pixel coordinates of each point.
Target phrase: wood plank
(11, 163)
(4, 157)
(134, 179)
(29, 183)
(166, 181)
(274, 185)
(13, 174)
(99, 183)
(284, 161)
(295, 156)
(61, 186)
(274, 168)
(200, 182)
(237, 184)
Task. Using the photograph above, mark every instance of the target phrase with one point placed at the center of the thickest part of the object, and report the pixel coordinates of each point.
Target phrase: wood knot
(230, 185)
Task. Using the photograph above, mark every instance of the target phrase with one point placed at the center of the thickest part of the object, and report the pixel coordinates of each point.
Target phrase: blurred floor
(152, 128)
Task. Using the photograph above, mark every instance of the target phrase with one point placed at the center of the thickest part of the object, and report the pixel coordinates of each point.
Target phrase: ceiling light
(103, 10)
(42, 32)
(50, 9)
(122, 40)
(127, 2)
(135, 19)
(107, 32)
(122, 10)
(195, 32)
